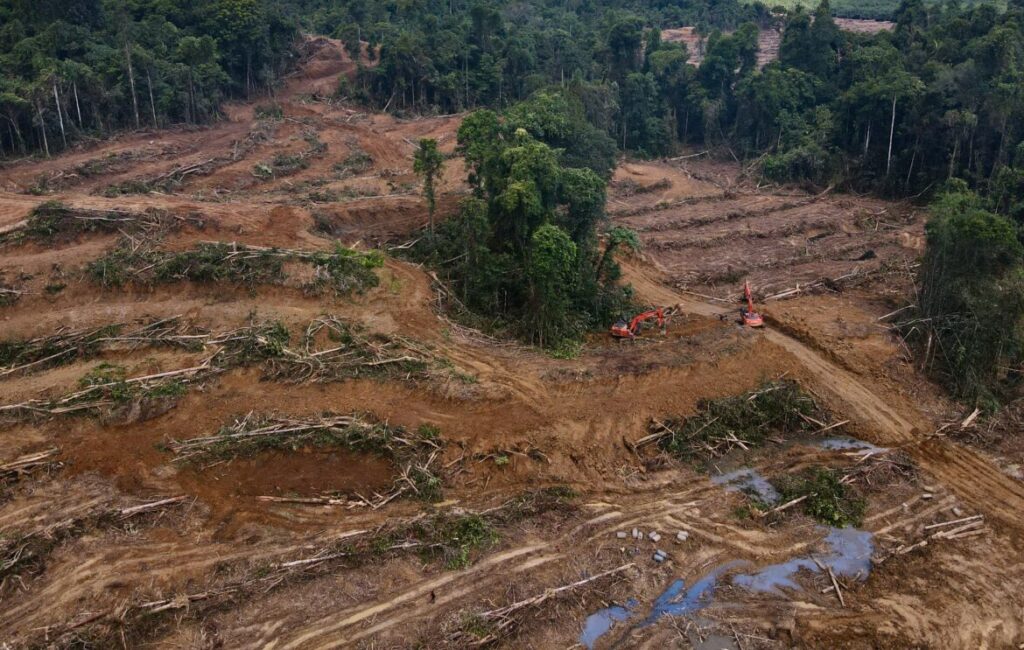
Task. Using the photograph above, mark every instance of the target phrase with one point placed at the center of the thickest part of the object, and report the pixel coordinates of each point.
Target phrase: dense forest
(898, 113)
(86, 68)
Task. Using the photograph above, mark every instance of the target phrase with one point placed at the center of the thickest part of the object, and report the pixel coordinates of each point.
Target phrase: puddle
(598, 623)
(850, 555)
(697, 597)
(748, 480)
(843, 443)
(676, 600)
(713, 642)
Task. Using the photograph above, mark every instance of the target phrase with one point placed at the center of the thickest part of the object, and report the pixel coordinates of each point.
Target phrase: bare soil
(223, 568)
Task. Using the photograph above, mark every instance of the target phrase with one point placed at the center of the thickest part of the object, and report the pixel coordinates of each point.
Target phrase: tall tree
(428, 162)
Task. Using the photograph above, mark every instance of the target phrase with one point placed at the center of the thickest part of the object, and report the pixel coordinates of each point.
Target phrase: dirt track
(554, 421)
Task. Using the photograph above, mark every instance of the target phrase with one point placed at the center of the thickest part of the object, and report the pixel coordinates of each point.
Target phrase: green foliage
(357, 162)
(551, 281)
(104, 373)
(773, 409)
(524, 251)
(341, 272)
(109, 382)
(56, 349)
(89, 68)
(46, 218)
(455, 539)
(344, 271)
(463, 535)
(559, 120)
(260, 342)
(972, 295)
(428, 162)
(826, 498)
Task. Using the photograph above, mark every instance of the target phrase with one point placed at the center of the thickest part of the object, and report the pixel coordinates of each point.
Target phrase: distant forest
(898, 113)
(86, 68)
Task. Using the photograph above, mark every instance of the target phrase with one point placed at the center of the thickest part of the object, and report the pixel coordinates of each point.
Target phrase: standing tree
(972, 294)
(429, 163)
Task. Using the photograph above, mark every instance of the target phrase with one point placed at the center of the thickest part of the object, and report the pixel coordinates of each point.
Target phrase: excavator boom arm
(647, 315)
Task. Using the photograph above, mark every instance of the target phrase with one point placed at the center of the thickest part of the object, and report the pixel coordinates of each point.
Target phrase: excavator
(748, 316)
(630, 330)
(623, 330)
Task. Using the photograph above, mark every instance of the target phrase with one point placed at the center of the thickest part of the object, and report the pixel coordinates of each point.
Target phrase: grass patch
(741, 421)
(826, 498)
(456, 539)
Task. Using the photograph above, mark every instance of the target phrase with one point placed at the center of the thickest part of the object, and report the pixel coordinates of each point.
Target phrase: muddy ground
(108, 539)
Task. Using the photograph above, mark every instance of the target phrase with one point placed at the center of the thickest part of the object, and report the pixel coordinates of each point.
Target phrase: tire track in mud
(974, 479)
(977, 481)
(657, 512)
(340, 628)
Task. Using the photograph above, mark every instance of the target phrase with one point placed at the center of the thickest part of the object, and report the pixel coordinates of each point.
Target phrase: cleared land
(242, 448)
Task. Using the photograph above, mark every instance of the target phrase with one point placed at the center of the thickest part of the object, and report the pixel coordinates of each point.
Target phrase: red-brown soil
(511, 419)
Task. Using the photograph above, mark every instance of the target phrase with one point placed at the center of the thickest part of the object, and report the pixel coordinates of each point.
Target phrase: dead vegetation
(66, 345)
(285, 540)
(107, 389)
(25, 553)
(9, 294)
(490, 626)
(173, 180)
(341, 271)
(742, 422)
(629, 187)
(349, 354)
(22, 466)
(56, 222)
(415, 453)
(287, 164)
(454, 538)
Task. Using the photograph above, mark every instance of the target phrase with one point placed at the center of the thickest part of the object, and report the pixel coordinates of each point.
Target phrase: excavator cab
(620, 329)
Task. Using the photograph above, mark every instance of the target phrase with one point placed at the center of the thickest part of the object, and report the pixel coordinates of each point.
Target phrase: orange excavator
(750, 317)
(623, 330)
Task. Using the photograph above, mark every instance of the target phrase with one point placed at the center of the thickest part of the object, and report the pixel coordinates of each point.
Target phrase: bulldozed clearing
(390, 478)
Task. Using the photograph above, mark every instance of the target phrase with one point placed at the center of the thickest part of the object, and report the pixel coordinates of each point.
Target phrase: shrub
(826, 498)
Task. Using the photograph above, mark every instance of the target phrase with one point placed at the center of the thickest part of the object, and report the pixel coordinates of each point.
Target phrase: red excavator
(623, 330)
(750, 317)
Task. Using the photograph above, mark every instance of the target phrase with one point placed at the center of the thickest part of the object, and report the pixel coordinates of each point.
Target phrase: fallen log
(503, 612)
(148, 507)
(27, 463)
